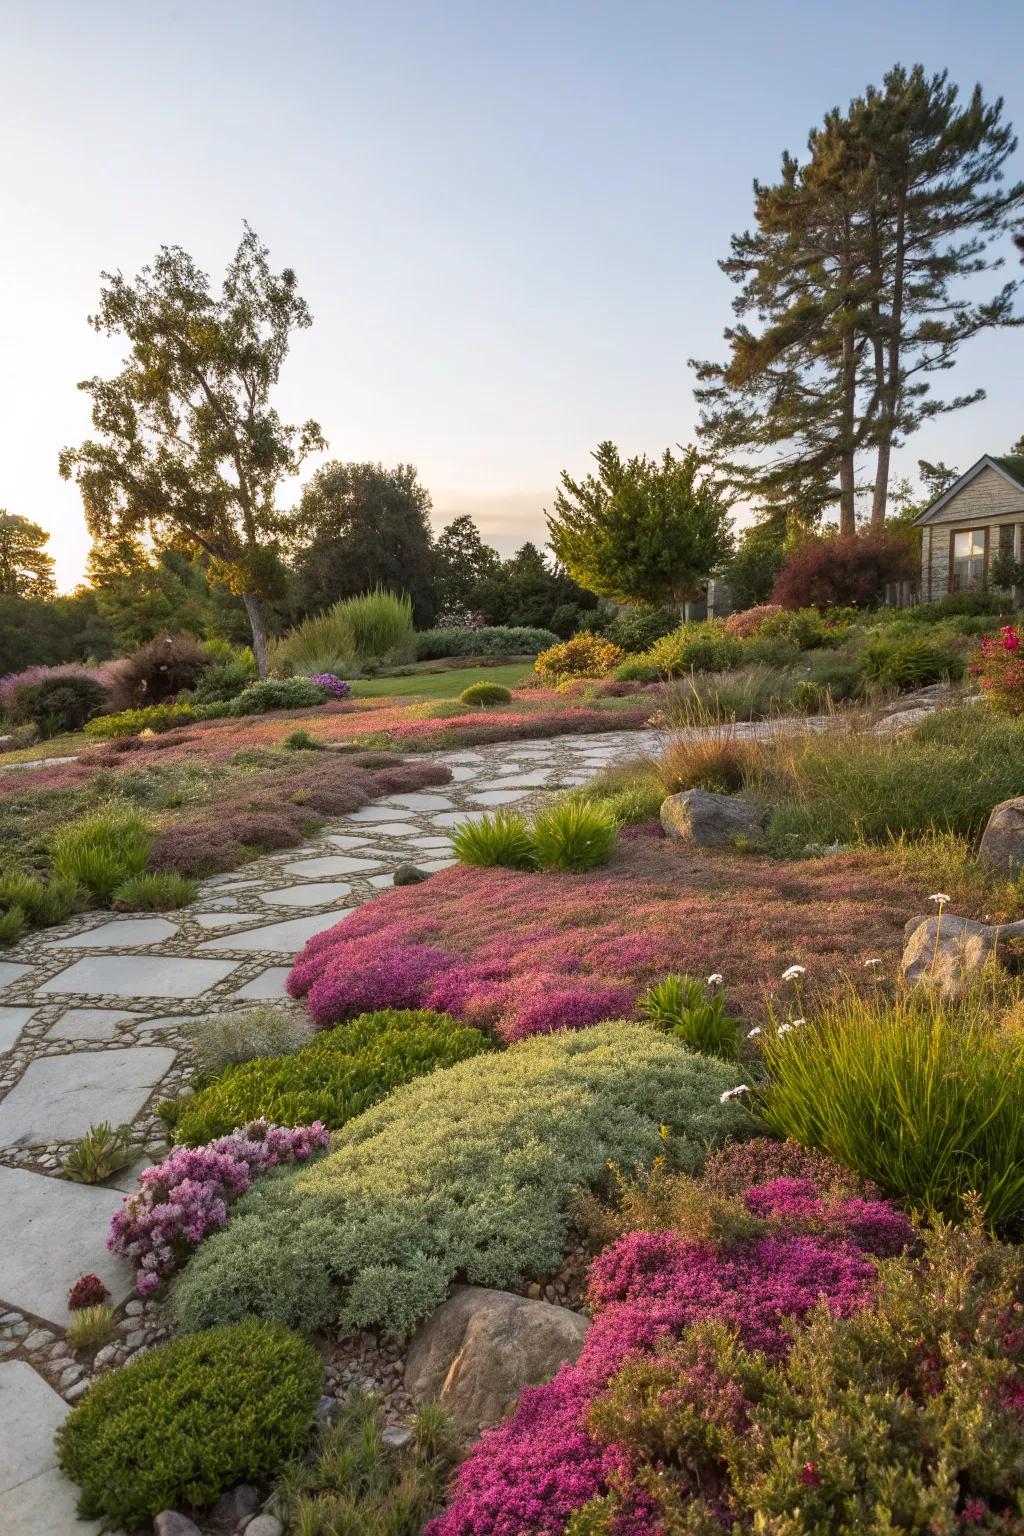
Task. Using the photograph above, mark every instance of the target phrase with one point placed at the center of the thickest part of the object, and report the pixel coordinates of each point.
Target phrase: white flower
(793, 972)
(715, 978)
(872, 962)
(733, 1093)
(783, 1029)
(940, 898)
(795, 1023)
(753, 1033)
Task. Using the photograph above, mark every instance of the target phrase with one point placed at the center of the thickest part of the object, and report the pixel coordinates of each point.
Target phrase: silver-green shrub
(467, 1172)
(221, 1040)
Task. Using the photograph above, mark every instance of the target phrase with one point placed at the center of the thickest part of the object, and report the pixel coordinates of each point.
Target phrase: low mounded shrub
(635, 669)
(335, 687)
(184, 1198)
(702, 646)
(16, 685)
(97, 853)
(129, 722)
(749, 620)
(915, 1093)
(485, 694)
(168, 665)
(188, 1420)
(637, 629)
(330, 1078)
(435, 644)
(224, 681)
(277, 693)
(585, 655)
(466, 1172)
(60, 703)
(909, 663)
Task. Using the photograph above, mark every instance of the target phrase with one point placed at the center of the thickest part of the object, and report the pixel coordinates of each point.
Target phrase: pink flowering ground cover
(185, 1198)
(527, 953)
(527, 1477)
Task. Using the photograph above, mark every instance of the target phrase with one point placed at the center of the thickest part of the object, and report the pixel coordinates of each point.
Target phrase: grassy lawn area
(441, 685)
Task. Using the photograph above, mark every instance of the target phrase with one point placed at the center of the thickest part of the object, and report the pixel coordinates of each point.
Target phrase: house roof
(1009, 465)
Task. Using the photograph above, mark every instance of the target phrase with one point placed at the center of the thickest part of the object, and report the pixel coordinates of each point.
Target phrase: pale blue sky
(505, 216)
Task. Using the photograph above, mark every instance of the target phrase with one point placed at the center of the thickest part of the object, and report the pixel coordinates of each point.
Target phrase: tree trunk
(847, 516)
(894, 347)
(881, 492)
(258, 625)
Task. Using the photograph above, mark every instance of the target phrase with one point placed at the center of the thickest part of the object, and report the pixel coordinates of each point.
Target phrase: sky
(506, 218)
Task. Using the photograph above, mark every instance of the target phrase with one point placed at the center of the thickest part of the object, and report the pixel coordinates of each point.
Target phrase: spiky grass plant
(918, 1093)
(91, 1328)
(500, 839)
(693, 1011)
(100, 851)
(573, 835)
(101, 1152)
(155, 891)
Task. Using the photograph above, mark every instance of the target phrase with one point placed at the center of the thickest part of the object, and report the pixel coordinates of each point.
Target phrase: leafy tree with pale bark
(188, 446)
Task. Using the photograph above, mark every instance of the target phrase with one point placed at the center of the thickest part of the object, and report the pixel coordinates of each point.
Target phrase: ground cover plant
(467, 1172)
(186, 1197)
(329, 1079)
(218, 1040)
(920, 1094)
(524, 953)
(188, 1420)
(696, 1275)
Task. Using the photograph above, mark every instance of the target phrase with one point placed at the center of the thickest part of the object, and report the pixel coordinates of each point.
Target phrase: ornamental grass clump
(98, 852)
(573, 835)
(468, 1172)
(186, 1197)
(331, 1078)
(693, 1011)
(218, 1040)
(499, 839)
(915, 1092)
(188, 1420)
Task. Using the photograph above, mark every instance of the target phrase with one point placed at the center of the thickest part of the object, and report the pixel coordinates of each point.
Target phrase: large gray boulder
(475, 1354)
(949, 953)
(710, 820)
(1002, 843)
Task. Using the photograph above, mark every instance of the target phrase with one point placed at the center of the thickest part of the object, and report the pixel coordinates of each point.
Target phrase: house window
(968, 560)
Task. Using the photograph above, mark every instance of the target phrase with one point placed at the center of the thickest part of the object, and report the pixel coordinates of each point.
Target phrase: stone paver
(139, 976)
(331, 864)
(10, 971)
(268, 986)
(88, 1024)
(123, 933)
(277, 938)
(61, 1233)
(314, 895)
(35, 1498)
(58, 1098)
(12, 1022)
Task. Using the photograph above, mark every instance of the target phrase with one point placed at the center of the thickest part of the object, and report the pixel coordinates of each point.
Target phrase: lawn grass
(440, 685)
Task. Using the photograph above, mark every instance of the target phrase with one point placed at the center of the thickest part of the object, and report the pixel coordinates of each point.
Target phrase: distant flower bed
(335, 686)
(527, 953)
(999, 668)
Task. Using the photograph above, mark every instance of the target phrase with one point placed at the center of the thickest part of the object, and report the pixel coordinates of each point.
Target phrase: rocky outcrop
(710, 820)
(475, 1354)
(1001, 849)
(949, 953)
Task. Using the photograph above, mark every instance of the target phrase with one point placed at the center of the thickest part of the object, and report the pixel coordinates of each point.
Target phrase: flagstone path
(90, 1030)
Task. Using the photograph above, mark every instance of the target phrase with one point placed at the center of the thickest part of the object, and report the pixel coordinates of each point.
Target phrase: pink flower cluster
(185, 1198)
(528, 1476)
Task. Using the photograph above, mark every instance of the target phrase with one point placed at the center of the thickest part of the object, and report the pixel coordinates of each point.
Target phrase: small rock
(236, 1505)
(534, 1291)
(80, 1388)
(169, 1523)
(408, 874)
(265, 1525)
(396, 1437)
(326, 1411)
(38, 1338)
(710, 820)
(135, 1308)
(105, 1356)
(136, 1339)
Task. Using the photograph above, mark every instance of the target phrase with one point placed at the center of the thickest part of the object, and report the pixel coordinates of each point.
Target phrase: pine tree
(26, 570)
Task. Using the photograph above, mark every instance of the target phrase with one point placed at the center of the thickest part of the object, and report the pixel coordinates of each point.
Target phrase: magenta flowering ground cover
(185, 1198)
(528, 1476)
(525, 953)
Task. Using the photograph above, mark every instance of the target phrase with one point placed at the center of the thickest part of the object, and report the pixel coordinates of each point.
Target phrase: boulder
(169, 1523)
(475, 1354)
(238, 1504)
(264, 1525)
(1002, 843)
(408, 874)
(950, 954)
(712, 821)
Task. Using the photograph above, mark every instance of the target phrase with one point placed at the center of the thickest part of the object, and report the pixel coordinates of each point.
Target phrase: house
(980, 517)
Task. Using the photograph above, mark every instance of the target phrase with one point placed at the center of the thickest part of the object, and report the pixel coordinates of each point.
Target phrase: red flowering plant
(999, 668)
(87, 1291)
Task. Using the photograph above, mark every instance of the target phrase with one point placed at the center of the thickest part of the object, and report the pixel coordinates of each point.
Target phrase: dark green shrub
(494, 640)
(224, 681)
(909, 663)
(637, 629)
(636, 670)
(485, 694)
(166, 666)
(61, 703)
(338, 1074)
(277, 693)
(958, 603)
(188, 1420)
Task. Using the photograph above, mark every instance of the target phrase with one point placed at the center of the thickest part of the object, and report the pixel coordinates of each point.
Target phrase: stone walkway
(90, 1030)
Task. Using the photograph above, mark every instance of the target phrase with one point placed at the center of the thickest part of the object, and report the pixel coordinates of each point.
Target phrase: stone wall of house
(986, 502)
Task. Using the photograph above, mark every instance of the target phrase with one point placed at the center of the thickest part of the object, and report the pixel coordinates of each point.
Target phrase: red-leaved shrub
(850, 570)
(87, 1291)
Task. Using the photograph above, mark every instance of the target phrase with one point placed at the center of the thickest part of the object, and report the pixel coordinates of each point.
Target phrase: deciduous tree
(188, 444)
